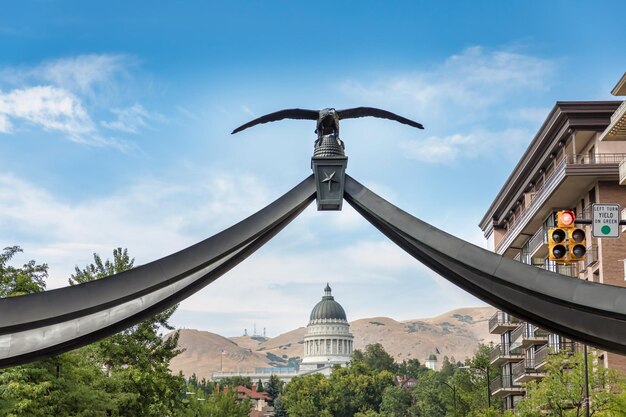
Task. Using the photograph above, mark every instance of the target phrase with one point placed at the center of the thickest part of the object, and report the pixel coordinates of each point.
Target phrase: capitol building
(328, 340)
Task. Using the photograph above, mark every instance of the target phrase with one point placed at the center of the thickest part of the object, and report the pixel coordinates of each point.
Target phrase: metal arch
(39, 325)
(584, 311)
(43, 324)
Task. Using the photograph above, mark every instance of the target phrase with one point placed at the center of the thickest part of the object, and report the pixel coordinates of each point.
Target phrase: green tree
(259, 386)
(68, 384)
(28, 279)
(561, 392)
(274, 388)
(218, 404)
(428, 396)
(369, 413)
(471, 381)
(137, 359)
(396, 402)
(348, 390)
(279, 410)
(304, 396)
(375, 358)
(411, 369)
(235, 381)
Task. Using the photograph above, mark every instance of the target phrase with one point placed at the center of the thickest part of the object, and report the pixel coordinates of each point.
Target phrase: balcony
(503, 353)
(591, 256)
(568, 270)
(542, 354)
(538, 244)
(525, 371)
(528, 335)
(571, 175)
(504, 386)
(617, 128)
(501, 322)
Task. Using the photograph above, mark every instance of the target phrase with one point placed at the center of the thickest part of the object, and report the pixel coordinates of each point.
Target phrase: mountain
(455, 333)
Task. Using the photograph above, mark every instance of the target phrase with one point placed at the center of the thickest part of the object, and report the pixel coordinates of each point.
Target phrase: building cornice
(563, 119)
(620, 87)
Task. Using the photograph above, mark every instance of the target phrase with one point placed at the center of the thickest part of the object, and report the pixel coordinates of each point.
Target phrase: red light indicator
(566, 218)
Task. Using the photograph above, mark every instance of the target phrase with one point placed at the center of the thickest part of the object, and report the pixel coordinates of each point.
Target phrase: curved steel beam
(584, 311)
(43, 324)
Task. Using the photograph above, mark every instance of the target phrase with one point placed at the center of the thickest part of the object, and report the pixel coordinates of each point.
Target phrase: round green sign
(606, 229)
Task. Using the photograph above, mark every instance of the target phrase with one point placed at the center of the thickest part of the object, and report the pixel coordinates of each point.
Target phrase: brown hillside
(455, 333)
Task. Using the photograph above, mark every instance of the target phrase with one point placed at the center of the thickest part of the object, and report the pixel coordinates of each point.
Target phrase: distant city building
(577, 159)
(328, 340)
(431, 362)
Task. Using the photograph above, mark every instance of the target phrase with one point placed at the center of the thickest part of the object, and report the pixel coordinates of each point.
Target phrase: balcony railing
(525, 371)
(569, 270)
(597, 158)
(542, 354)
(555, 176)
(504, 385)
(591, 256)
(539, 238)
(502, 353)
(621, 110)
(501, 322)
(528, 335)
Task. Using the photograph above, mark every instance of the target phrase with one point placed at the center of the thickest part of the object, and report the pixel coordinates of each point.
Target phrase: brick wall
(611, 254)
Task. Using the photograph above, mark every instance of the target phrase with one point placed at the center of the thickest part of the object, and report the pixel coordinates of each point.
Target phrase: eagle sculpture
(328, 119)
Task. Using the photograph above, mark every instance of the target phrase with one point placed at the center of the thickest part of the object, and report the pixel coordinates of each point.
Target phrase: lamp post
(453, 388)
(486, 372)
(586, 381)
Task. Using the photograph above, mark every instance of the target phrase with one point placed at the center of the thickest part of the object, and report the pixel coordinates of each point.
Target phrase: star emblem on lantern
(330, 178)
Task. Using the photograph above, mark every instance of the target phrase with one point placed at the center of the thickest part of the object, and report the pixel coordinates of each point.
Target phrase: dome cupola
(328, 341)
(328, 308)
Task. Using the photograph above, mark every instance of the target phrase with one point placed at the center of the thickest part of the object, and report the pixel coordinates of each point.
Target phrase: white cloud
(49, 107)
(63, 95)
(151, 217)
(466, 85)
(79, 74)
(131, 119)
(449, 149)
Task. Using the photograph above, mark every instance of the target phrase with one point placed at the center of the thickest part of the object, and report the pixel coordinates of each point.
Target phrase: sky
(115, 121)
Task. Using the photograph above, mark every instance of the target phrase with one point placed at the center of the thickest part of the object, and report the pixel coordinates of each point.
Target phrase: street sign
(605, 220)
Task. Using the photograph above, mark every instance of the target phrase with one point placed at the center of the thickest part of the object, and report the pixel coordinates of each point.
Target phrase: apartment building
(575, 160)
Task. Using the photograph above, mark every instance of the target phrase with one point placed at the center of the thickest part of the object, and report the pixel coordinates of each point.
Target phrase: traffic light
(565, 218)
(576, 245)
(566, 242)
(556, 244)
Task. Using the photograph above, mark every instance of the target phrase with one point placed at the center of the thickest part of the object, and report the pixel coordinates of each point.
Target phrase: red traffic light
(565, 218)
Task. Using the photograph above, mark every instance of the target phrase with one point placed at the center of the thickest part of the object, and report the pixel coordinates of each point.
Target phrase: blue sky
(115, 123)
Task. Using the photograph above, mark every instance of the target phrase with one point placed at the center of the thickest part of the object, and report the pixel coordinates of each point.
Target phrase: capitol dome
(328, 340)
(328, 308)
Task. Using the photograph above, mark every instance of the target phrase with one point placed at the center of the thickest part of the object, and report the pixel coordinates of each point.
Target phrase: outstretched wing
(371, 111)
(280, 115)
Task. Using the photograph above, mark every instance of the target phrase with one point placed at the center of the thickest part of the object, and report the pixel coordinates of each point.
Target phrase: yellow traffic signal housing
(557, 239)
(565, 218)
(576, 245)
(566, 242)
